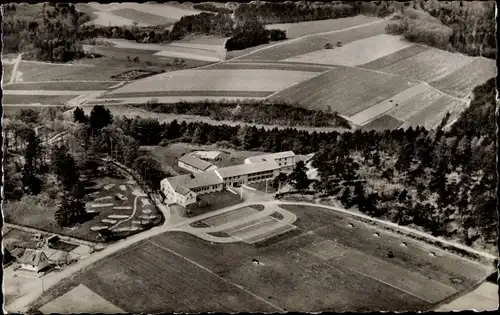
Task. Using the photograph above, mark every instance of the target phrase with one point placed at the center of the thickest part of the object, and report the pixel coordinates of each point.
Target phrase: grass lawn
(33, 99)
(212, 202)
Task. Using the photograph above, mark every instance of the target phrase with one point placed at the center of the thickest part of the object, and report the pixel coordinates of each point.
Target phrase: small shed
(34, 260)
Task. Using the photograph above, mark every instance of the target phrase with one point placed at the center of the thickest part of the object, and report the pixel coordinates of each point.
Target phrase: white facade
(285, 160)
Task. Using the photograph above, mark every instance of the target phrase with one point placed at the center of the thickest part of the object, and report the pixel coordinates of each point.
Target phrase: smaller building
(248, 173)
(207, 155)
(194, 164)
(184, 189)
(285, 160)
(33, 260)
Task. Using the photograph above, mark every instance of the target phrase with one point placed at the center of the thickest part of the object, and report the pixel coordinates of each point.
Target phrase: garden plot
(430, 65)
(313, 43)
(397, 100)
(294, 30)
(357, 52)
(345, 90)
(217, 80)
(461, 82)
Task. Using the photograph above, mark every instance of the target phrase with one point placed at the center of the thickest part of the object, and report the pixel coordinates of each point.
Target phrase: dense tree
(298, 177)
(70, 211)
(79, 116)
(100, 117)
(31, 174)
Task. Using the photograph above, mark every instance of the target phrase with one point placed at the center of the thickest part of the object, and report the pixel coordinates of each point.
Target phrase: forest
(256, 112)
(459, 26)
(45, 31)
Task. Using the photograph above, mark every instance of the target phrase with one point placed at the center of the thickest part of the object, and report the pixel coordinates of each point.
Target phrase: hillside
(440, 181)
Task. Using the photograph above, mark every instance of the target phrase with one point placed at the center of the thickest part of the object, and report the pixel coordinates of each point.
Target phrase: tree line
(249, 111)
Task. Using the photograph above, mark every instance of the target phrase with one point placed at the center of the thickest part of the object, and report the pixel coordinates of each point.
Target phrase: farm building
(285, 160)
(33, 260)
(184, 189)
(194, 164)
(207, 155)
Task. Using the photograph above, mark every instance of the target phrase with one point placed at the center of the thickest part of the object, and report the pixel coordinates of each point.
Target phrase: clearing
(294, 272)
(345, 90)
(356, 52)
(294, 30)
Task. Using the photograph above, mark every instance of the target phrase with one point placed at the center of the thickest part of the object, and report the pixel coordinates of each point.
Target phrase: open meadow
(357, 52)
(343, 265)
(345, 90)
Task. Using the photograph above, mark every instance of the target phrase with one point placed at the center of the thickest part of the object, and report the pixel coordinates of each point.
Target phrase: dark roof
(194, 181)
(195, 162)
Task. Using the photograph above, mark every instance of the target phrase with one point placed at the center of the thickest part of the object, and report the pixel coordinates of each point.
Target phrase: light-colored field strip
(213, 57)
(384, 106)
(483, 298)
(200, 93)
(145, 202)
(165, 10)
(80, 300)
(108, 221)
(254, 229)
(123, 187)
(278, 230)
(217, 80)
(109, 19)
(118, 216)
(46, 92)
(101, 205)
(357, 52)
(108, 186)
(99, 228)
(393, 58)
(142, 17)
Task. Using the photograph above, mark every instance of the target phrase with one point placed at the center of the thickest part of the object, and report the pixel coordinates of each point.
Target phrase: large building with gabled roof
(185, 189)
(194, 164)
(285, 160)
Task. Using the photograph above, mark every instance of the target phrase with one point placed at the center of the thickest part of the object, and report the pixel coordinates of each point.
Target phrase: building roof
(271, 156)
(32, 257)
(209, 155)
(195, 162)
(245, 169)
(182, 190)
(181, 182)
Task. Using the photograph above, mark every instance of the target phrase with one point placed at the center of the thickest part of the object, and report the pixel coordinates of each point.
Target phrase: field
(217, 80)
(416, 103)
(346, 90)
(121, 14)
(461, 82)
(357, 52)
(428, 66)
(382, 123)
(37, 99)
(313, 43)
(294, 30)
(435, 112)
(201, 93)
(61, 86)
(335, 266)
(142, 17)
(248, 65)
(395, 57)
(7, 72)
